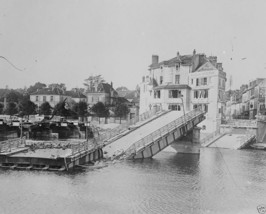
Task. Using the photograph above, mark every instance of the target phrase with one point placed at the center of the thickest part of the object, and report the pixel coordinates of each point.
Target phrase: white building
(191, 81)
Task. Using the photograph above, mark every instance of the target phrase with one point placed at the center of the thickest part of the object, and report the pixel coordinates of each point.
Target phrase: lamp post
(181, 97)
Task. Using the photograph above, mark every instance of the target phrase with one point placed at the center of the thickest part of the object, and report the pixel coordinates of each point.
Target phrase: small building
(102, 92)
(54, 96)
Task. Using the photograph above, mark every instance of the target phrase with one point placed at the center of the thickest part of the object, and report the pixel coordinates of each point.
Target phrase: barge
(51, 156)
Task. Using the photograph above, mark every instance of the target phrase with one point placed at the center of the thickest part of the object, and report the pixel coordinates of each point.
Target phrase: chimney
(155, 59)
(213, 60)
(178, 55)
(111, 84)
(194, 52)
(219, 66)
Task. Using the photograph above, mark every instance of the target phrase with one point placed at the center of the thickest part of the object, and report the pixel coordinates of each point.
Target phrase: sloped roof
(184, 60)
(48, 91)
(75, 94)
(206, 67)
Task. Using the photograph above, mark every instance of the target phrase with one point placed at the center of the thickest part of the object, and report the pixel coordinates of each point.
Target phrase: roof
(184, 60)
(57, 91)
(172, 86)
(104, 88)
(75, 94)
(129, 95)
(48, 91)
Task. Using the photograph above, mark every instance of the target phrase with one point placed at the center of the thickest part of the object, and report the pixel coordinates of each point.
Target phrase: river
(216, 181)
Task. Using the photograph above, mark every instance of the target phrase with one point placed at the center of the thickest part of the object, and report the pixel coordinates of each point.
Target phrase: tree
(92, 82)
(14, 96)
(60, 109)
(1, 108)
(81, 109)
(26, 107)
(35, 87)
(121, 110)
(45, 109)
(61, 86)
(122, 88)
(11, 108)
(100, 110)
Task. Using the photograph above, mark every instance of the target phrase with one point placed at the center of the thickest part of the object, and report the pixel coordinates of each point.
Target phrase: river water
(216, 181)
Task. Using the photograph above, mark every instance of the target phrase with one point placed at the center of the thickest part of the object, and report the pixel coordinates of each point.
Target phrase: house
(55, 95)
(102, 92)
(76, 96)
(131, 99)
(183, 83)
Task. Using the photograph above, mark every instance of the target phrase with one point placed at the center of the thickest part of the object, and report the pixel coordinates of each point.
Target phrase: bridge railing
(8, 145)
(142, 143)
(83, 146)
(123, 127)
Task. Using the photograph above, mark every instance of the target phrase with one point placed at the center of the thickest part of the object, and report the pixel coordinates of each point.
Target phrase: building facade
(183, 83)
(54, 96)
(102, 92)
(250, 101)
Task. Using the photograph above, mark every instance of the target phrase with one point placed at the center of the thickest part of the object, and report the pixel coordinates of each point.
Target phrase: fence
(83, 146)
(8, 145)
(142, 143)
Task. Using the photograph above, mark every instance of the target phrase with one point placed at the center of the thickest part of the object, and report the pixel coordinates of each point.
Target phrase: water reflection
(216, 181)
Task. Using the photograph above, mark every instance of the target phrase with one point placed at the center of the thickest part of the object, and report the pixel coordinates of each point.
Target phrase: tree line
(18, 103)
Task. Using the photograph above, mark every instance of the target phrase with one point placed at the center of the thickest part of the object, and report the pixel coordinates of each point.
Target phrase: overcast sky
(60, 41)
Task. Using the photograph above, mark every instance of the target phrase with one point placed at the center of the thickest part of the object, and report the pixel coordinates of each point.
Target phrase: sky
(66, 41)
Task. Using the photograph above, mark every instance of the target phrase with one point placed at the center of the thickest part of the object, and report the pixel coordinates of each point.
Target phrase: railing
(142, 143)
(83, 146)
(8, 145)
(242, 123)
(123, 127)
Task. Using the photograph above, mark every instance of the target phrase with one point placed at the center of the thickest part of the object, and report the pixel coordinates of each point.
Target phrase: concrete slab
(45, 153)
(229, 141)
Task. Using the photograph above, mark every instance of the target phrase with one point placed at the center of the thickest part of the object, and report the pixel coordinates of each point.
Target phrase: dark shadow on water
(185, 163)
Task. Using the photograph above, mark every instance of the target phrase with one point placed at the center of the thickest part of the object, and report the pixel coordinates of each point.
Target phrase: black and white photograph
(132, 107)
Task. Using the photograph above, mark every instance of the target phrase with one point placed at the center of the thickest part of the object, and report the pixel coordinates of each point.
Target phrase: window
(161, 79)
(52, 98)
(206, 108)
(178, 108)
(197, 82)
(205, 81)
(177, 67)
(44, 98)
(157, 94)
(177, 79)
(191, 81)
(196, 94)
(37, 98)
(173, 107)
(201, 93)
(174, 93)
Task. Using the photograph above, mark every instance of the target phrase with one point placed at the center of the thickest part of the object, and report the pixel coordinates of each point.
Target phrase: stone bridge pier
(189, 144)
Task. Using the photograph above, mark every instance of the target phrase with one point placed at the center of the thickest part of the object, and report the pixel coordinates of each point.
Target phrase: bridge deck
(128, 140)
(232, 141)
